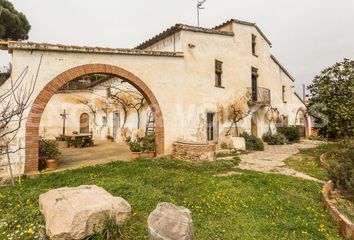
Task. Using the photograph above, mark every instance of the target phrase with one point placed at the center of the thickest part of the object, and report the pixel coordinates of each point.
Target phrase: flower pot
(52, 164)
(150, 154)
(136, 155)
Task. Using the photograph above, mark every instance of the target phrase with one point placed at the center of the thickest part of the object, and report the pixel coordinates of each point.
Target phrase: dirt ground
(101, 152)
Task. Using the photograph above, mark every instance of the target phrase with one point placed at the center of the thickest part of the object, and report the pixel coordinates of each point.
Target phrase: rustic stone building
(188, 76)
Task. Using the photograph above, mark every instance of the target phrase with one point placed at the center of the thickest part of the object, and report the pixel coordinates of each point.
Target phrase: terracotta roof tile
(85, 49)
(282, 68)
(247, 24)
(177, 28)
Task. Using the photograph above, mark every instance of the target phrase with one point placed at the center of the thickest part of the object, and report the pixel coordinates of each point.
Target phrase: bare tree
(129, 98)
(14, 101)
(237, 111)
(91, 109)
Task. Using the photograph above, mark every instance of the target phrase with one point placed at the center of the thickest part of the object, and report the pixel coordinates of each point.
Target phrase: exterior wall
(51, 125)
(172, 44)
(183, 86)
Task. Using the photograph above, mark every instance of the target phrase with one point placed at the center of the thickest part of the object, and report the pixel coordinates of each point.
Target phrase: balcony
(260, 96)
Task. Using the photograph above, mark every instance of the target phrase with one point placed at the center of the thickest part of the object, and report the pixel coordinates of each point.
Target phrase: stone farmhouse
(188, 76)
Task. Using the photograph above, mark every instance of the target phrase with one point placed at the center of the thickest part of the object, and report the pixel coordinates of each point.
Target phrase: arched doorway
(84, 123)
(39, 104)
(301, 121)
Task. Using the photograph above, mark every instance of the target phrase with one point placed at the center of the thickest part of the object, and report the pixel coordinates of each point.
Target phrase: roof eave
(247, 24)
(31, 46)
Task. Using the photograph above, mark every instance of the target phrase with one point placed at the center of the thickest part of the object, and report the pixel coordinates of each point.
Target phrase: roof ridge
(233, 20)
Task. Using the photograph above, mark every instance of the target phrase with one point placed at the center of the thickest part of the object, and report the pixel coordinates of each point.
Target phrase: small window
(254, 77)
(218, 73)
(212, 127)
(108, 92)
(104, 121)
(283, 92)
(254, 44)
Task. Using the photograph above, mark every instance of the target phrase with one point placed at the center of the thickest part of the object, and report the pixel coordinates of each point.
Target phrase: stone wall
(345, 226)
(194, 152)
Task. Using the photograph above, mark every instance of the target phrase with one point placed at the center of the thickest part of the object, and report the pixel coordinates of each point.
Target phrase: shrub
(49, 149)
(224, 145)
(135, 146)
(148, 143)
(292, 133)
(274, 139)
(253, 143)
(341, 171)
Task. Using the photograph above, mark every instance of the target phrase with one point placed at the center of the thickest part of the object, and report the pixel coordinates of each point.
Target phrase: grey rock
(170, 222)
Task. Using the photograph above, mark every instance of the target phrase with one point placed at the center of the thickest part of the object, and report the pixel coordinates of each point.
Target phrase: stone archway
(306, 124)
(39, 104)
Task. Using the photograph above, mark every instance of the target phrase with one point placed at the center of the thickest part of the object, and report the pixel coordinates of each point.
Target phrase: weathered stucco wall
(51, 125)
(183, 86)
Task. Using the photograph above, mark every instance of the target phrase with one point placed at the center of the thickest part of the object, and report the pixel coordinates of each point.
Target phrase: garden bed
(340, 212)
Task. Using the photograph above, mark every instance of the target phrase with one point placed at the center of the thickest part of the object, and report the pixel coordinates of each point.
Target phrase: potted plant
(135, 147)
(110, 138)
(149, 145)
(49, 150)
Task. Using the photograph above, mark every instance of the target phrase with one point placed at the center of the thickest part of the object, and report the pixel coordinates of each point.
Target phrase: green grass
(248, 205)
(308, 161)
(227, 154)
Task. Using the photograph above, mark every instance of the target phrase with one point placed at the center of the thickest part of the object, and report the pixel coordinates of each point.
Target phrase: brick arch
(39, 104)
(307, 124)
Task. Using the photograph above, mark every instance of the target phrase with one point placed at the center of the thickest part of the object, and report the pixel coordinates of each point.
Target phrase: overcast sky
(307, 35)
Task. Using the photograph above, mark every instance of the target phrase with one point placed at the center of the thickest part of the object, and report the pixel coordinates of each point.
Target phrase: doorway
(116, 125)
(84, 123)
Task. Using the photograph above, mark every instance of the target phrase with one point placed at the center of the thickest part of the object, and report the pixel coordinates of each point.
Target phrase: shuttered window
(218, 73)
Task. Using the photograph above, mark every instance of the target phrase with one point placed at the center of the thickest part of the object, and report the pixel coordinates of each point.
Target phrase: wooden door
(84, 123)
(254, 129)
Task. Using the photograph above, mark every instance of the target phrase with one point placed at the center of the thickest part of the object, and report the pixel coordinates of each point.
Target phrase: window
(254, 44)
(212, 127)
(218, 73)
(108, 92)
(283, 92)
(104, 121)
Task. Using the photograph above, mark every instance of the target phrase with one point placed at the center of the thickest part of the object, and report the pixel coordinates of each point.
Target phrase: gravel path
(271, 160)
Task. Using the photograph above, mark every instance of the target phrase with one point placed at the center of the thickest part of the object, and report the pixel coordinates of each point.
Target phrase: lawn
(246, 206)
(308, 161)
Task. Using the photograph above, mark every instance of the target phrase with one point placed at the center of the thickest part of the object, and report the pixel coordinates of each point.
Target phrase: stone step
(225, 158)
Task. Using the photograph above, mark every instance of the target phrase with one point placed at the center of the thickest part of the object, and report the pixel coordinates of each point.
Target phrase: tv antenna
(200, 7)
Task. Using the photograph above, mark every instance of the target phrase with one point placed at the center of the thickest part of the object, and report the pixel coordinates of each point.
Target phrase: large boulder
(75, 213)
(239, 143)
(170, 222)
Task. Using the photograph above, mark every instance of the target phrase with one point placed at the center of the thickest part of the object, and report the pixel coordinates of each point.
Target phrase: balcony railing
(260, 96)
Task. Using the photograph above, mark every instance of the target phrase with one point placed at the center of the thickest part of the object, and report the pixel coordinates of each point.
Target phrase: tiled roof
(247, 24)
(179, 27)
(84, 49)
(282, 68)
